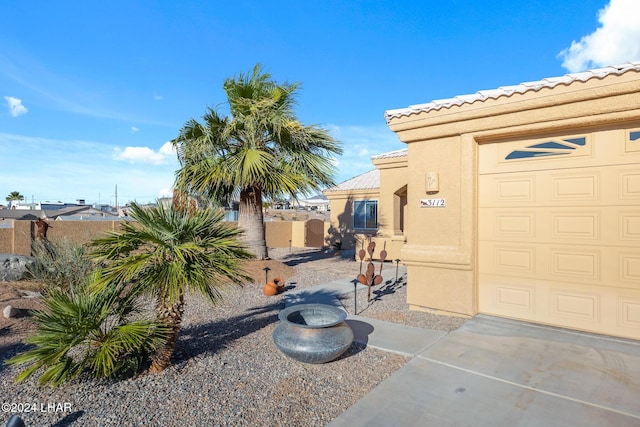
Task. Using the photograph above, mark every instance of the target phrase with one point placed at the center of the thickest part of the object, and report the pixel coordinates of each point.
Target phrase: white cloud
(78, 169)
(617, 40)
(134, 129)
(157, 97)
(145, 154)
(359, 143)
(167, 149)
(15, 106)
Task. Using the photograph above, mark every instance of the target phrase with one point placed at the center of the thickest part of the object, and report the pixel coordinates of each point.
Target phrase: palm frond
(261, 146)
(262, 119)
(86, 331)
(172, 250)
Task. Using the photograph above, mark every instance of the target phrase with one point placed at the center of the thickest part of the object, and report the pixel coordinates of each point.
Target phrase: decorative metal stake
(289, 246)
(355, 296)
(397, 260)
(266, 275)
(370, 278)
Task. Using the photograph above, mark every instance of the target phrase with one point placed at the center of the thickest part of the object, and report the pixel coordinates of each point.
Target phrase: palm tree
(260, 151)
(14, 196)
(167, 251)
(102, 332)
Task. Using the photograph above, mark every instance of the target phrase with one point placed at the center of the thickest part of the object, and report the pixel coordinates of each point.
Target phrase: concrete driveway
(499, 372)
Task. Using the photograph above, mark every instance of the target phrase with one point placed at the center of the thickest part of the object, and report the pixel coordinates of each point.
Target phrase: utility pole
(117, 197)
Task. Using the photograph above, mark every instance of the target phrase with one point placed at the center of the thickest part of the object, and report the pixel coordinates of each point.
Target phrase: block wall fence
(280, 234)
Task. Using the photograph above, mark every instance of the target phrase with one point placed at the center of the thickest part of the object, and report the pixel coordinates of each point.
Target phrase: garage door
(559, 231)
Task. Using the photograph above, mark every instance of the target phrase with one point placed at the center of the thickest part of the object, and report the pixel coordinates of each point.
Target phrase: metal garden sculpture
(369, 278)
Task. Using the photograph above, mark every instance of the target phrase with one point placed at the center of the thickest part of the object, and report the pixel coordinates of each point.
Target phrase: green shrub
(96, 332)
(62, 265)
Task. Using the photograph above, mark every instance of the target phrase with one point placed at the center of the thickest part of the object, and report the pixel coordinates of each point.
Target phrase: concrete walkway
(493, 372)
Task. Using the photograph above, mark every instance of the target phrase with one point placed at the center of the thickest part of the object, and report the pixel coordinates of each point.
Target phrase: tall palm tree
(14, 196)
(261, 150)
(167, 251)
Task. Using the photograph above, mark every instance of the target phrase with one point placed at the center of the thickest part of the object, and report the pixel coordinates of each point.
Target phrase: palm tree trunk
(171, 315)
(251, 220)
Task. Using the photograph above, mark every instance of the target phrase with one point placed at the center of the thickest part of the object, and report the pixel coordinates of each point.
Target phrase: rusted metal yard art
(369, 278)
(42, 227)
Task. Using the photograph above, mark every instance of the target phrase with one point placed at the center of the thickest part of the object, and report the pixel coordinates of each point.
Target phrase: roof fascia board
(581, 104)
(391, 162)
(523, 88)
(353, 194)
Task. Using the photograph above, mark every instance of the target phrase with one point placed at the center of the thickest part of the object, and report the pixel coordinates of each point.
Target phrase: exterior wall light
(432, 183)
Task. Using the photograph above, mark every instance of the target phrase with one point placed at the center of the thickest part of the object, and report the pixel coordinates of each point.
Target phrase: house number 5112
(433, 203)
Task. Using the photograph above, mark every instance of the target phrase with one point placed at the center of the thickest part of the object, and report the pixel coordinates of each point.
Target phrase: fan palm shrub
(167, 252)
(103, 333)
(260, 151)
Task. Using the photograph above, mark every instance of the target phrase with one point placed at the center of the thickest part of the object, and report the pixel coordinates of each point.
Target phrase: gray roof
(32, 214)
(507, 91)
(366, 181)
(20, 214)
(317, 197)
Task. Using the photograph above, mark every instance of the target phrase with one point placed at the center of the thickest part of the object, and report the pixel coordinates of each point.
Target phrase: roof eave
(508, 91)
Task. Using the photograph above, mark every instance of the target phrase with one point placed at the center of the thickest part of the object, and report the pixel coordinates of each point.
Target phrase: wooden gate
(314, 233)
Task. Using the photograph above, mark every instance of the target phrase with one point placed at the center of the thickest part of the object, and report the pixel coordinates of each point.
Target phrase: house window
(548, 148)
(634, 135)
(365, 214)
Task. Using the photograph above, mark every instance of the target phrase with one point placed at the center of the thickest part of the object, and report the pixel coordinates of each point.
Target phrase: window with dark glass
(548, 148)
(365, 214)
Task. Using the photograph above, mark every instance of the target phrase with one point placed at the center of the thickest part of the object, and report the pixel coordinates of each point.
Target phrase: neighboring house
(87, 214)
(281, 204)
(318, 202)
(521, 202)
(51, 206)
(44, 206)
(33, 214)
(16, 205)
(371, 207)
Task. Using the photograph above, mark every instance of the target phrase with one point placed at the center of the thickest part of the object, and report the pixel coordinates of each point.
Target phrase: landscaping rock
(226, 370)
(29, 294)
(10, 312)
(14, 267)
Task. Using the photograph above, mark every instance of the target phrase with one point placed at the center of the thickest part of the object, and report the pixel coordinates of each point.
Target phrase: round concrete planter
(313, 333)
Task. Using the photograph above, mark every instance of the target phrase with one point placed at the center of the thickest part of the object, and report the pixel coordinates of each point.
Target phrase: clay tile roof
(510, 90)
(391, 154)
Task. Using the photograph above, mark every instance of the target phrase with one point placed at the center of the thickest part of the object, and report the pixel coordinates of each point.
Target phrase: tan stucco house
(521, 202)
(371, 207)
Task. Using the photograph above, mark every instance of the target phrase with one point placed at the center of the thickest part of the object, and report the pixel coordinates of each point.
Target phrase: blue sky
(91, 92)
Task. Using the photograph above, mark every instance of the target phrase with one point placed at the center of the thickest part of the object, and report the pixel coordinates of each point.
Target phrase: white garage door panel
(589, 265)
(606, 226)
(576, 306)
(559, 234)
(630, 268)
(601, 186)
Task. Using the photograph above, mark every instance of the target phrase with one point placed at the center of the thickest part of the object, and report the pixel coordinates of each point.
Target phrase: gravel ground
(226, 370)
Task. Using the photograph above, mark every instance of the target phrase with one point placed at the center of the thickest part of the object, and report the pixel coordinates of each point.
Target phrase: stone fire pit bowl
(313, 333)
